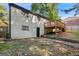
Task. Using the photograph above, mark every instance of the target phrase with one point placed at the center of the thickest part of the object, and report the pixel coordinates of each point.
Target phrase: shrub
(7, 34)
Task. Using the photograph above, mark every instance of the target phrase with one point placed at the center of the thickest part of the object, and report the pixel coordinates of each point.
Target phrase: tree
(53, 12)
(46, 9)
(40, 8)
(2, 12)
(74, 8)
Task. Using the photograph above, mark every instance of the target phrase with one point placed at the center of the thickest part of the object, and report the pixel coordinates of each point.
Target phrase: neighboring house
(58, 26)
(3, 28)
(72, 23)
(24, 23)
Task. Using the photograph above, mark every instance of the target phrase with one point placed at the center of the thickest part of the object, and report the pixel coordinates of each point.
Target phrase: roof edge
(27, 11)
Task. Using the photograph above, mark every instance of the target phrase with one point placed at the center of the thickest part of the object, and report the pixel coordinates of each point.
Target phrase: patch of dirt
(37, 47)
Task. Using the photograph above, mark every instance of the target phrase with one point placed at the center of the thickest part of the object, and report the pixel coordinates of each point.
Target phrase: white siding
(17, 20)
(72, 27)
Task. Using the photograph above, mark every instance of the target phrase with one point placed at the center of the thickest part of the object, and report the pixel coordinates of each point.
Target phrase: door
(38, 32)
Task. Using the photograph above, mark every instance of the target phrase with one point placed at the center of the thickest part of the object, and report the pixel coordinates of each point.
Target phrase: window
(25, 27)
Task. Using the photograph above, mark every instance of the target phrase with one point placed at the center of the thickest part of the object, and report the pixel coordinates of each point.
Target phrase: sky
(61, 6)
(64, 6)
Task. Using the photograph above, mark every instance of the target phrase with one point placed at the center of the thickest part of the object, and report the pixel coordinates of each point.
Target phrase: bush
(7, 34)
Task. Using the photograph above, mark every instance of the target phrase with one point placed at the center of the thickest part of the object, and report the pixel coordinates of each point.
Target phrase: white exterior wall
(42, 27)
(17, 20)
(72, 27)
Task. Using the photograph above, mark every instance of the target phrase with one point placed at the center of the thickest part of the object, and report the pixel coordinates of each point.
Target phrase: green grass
(76, 33)
(13, 48)
(3, 46)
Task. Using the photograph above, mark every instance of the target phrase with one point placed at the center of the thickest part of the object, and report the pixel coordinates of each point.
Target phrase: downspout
(9, 20)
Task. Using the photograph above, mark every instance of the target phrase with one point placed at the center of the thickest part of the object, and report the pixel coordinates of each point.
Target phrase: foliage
(46, 9)
(40, 8)
(7, 35)
(3, 46)
(53, 14)
(3, 12)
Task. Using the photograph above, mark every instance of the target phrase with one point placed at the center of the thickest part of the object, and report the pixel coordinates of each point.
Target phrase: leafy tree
(40, 8)
(46, 9)
(53, 12)
(74, 8)
(3, 12)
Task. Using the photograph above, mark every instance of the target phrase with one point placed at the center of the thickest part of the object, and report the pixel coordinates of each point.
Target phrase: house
(57, 25)
(72, 23)
(24, 23)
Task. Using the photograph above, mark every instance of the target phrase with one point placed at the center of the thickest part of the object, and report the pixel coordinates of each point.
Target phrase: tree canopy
(2, 12)
(46, 9)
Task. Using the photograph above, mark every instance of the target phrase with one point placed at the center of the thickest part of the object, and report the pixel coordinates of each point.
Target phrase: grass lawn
(36, 47)
(76, 33)
(70, 35)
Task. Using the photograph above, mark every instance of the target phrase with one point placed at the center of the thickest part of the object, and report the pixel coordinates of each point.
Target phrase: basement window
(25, 27)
